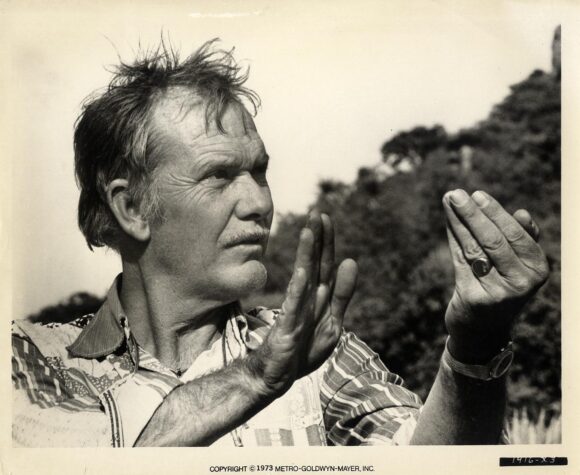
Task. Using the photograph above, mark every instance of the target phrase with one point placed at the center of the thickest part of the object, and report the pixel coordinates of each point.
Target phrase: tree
(394, 226)
(77, 305)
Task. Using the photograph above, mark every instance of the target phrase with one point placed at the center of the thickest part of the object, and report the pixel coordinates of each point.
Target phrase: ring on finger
(481, 266)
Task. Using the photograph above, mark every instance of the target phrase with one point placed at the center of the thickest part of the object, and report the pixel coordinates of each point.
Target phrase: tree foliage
(393, 225)
(77, 305)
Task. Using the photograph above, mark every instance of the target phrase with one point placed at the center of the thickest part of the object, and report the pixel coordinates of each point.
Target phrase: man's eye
(220, 175)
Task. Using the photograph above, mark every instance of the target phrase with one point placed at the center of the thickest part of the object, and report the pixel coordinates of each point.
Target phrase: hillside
(390, 220)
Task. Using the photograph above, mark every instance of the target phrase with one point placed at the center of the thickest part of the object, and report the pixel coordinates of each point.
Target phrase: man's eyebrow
(228, 159)
(221, 159)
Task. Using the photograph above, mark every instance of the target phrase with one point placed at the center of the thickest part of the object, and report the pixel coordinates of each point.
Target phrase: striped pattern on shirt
(363, 402)
(353, 399)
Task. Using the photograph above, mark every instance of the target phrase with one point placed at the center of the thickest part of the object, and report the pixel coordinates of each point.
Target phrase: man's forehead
(181, 113)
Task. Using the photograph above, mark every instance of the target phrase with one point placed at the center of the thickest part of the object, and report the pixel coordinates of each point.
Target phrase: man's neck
(172, 327)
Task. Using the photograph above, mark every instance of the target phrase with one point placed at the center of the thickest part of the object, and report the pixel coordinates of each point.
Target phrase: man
(172, 174)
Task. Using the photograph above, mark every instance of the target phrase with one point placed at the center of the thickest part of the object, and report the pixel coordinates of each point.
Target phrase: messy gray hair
(112, 136)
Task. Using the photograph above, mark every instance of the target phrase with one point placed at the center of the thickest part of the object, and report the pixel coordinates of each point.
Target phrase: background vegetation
(391, 221)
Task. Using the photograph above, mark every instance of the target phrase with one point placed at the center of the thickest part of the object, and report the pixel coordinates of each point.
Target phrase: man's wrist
(493, 369)
(476, 351)
(253, 371)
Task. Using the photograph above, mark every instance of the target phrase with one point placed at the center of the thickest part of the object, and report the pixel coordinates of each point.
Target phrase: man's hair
(113, 132)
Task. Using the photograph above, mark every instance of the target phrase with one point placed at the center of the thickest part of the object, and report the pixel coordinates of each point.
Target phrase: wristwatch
(494, 369)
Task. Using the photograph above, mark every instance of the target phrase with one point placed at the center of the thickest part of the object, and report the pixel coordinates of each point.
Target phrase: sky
(336, 80)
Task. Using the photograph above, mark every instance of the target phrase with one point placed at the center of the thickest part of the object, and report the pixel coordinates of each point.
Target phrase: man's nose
(254, 200)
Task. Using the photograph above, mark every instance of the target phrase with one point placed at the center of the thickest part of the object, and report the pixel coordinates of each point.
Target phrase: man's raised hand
(310, 322)
(482, 310)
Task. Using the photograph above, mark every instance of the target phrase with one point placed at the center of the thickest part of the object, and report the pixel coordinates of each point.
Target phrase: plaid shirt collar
(105, 333)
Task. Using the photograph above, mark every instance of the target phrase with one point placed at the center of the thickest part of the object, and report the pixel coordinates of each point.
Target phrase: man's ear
(127, 212)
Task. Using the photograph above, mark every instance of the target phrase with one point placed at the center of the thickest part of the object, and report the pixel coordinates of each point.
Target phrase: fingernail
(480, 198)
(459, 197)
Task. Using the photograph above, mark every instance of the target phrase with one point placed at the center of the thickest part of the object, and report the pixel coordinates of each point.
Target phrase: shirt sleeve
(54, 407)
(363, 402)
(44, 412)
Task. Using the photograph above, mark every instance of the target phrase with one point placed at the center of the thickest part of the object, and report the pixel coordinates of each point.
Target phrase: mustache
(255, 236)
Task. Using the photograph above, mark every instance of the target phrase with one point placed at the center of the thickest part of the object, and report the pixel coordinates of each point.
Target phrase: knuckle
(530, 282)
(522, 286)
(472, 251)
(459, 256)
(495, 243)
(515, 233)
(527, 283)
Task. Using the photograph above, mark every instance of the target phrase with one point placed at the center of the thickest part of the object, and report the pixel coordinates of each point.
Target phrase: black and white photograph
(329, 225)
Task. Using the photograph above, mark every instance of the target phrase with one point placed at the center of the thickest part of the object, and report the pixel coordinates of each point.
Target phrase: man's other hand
(483, 308)
(310, 323)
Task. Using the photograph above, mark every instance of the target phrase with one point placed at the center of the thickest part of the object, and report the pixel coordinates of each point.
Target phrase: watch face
(502, 365)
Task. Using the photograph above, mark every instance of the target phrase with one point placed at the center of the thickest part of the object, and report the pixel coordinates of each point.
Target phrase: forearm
(461, 410)
(203, 410)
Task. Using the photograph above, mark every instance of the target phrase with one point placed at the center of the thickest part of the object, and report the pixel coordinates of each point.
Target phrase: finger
(290, 311)
(528, 223)
(315, 225)
(327, 259)
(513, 231)
(295, 294)
(460, 264)
(463, 238)
(346, 277)
(488, 236)
(305, 250)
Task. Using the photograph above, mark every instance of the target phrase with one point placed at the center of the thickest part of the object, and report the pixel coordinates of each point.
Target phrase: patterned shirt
(88, 383)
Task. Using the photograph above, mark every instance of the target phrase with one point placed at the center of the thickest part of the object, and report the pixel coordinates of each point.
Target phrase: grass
(523, 430)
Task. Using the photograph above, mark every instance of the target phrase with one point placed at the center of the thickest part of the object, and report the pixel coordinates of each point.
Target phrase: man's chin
(244, 280)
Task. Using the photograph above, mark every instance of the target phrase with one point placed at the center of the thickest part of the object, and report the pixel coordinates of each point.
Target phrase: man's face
(215, 200)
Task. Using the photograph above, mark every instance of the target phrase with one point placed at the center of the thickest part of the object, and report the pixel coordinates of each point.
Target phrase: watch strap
(494, 369)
